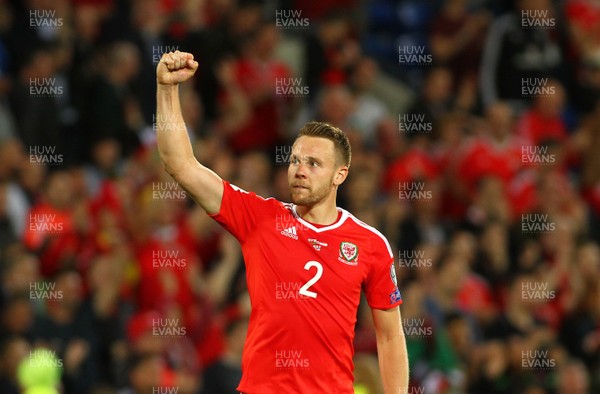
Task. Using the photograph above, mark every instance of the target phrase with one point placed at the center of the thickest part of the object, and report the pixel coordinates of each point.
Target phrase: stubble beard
(310, 197)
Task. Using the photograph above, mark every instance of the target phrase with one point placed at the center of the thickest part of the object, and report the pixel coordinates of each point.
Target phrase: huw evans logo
(44, 19)
(44, 291)
(290, 87)
(537, 291)
(537, 87)
(414, 55)
(412, 390)
(44, 87)
(537, 19)
(168, 259)
(416, 328)
(414, 124)
(413, 191)
(536, 223)
(536, 359)
(288, 223)
(159, 50)
(288, 359)
(286, 291)
(291, 19)
(282, 155)
(46, 223)
(532, 154)
(167, 191)
(167, 328)
(44, 358)
(165, 390)
(413, 259)
(41, 154)
(167, 122)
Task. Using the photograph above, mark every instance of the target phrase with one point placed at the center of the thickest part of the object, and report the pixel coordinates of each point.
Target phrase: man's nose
(301, 171)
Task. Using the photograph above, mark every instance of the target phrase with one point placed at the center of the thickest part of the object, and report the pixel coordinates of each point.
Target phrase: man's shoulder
(271, 200)
(241, 200)
(365, 230)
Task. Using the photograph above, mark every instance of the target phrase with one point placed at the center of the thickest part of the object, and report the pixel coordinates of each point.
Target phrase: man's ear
(340, 176)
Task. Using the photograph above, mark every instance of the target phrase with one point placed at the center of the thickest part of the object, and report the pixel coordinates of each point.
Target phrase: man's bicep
(203, 185)
(388, 322)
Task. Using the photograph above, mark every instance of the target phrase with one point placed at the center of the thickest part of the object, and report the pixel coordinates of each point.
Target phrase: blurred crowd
(480, 164)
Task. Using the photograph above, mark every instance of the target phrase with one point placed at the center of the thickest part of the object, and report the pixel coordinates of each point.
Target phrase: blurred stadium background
(476, 150)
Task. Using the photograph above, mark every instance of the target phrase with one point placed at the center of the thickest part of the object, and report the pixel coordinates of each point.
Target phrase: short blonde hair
(332, 133)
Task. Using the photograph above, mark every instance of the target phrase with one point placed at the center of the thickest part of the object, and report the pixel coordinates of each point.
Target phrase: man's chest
(298, 262)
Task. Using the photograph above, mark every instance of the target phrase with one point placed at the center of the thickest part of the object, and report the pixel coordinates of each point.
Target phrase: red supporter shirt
(304, 283)
(536, 128)
(482, 158)
(51, 233)
(262, 129)
(411, 166)
(585, 15)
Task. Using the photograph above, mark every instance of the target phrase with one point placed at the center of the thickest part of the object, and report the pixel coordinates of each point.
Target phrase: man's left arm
(391, 349)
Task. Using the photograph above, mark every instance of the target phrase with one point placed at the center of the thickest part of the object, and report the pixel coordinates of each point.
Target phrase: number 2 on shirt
(304, 289)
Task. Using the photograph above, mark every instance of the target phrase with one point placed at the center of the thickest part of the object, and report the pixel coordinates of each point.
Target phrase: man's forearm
(393, 364)
(172, 138)
(174, 145)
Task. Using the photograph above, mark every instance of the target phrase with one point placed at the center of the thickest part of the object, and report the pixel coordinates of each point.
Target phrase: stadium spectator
(111, 110)
(13, 351)
(522, 45)
(257, 75)
(222, 376)
(369, 111)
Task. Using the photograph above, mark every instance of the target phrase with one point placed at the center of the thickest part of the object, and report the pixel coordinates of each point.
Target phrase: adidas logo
(290, 232)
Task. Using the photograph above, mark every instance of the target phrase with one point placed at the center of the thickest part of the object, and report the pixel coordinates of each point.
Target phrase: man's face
(312, 171)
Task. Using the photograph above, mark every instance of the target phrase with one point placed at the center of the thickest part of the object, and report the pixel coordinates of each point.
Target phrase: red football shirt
(304, 283)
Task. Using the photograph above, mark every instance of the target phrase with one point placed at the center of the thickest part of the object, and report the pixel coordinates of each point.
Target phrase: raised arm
(174, 145)
(391, 350)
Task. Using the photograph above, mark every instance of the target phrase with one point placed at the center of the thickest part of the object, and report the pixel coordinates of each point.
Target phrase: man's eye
(313, 164)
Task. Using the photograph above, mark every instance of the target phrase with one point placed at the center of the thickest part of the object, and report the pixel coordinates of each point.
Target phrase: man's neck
(324, 213)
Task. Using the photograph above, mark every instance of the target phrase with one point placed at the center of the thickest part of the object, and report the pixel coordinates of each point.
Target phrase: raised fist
(175, 67)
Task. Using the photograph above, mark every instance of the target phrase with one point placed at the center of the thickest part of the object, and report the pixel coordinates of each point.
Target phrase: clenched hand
(175, 67)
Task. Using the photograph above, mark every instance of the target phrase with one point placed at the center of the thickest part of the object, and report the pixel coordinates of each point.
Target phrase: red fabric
(592, 196)
(295, 342)
(208, 248)
(536, 128)
(168, 377)
(474, 295)
(50, 232)
(141, 323)
(482, 158)
(261, 130)
(212, 345)
(522, 193)
(452, 206)
(164, 275)
(333, 77)
(584, 14)
(412, 166)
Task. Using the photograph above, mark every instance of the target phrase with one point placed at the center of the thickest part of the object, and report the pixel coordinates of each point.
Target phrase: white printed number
(304, 289)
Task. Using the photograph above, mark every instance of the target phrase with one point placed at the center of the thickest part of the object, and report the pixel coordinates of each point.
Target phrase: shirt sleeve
(381, 287)
(240, 210)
